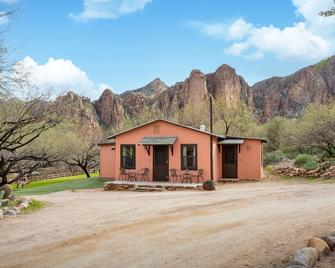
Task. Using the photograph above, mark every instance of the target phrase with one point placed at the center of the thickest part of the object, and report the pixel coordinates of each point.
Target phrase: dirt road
(240, 225)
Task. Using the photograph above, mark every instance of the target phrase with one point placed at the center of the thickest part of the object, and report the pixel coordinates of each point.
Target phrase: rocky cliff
(277, 96)
(77, 109)
(288, 96)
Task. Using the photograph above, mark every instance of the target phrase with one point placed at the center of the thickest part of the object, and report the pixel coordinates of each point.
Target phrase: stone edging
(314, 250)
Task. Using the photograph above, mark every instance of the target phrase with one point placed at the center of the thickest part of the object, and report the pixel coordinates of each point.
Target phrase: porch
(149, 186)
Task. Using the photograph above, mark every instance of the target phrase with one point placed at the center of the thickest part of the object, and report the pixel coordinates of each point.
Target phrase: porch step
(147, 189)
(228, 180)
(149, 186)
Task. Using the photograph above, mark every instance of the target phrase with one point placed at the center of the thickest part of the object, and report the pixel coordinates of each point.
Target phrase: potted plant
(208, 185)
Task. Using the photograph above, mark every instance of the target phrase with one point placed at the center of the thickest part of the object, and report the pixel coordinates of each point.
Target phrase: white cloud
(313, 37)
(58, 76)
(108, 9)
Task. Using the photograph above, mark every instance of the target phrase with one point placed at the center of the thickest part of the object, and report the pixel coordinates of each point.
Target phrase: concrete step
(147, 189)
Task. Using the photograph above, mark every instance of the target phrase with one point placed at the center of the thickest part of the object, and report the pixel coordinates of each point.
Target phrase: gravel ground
(239, 225)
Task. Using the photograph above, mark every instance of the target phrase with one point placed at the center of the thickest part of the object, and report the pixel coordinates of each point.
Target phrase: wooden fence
(57, 175)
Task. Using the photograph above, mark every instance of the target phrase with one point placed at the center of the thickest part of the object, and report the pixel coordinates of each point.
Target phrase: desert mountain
(288, 96)
(277, 96)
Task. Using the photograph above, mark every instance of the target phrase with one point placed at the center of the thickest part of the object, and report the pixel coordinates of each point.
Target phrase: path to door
(239, 225)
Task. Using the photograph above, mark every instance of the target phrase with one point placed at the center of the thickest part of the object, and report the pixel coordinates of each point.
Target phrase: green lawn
(60, 184)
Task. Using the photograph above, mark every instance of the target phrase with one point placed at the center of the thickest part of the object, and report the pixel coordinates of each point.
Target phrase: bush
(273, 158)
(311, 165)
(303, 159)
(208, 185)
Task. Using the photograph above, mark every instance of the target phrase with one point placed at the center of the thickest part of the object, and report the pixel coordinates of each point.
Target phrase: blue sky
(86, 45)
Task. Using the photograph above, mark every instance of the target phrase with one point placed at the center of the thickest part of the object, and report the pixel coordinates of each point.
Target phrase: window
(189, 156)
(128, 156)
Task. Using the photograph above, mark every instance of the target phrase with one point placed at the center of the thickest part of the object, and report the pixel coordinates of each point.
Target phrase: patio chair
(174, 174)
(199, 175)
(142, 174)
(123, 174)
(187, 176)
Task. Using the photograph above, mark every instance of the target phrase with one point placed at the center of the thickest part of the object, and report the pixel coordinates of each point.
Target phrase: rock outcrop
(77, 108)
(109, 108)
(223, 84)
(289, 96)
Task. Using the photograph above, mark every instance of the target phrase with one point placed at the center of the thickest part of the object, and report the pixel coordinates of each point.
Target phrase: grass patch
(40, 183)
(34, 206)
(60, 184)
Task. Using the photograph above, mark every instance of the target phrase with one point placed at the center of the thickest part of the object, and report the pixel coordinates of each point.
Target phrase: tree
(143, 117)
(82, 153)
(316, 128)
(21, 124)
(329, 12)
(233, 118)
(74, 146)
(194, 115)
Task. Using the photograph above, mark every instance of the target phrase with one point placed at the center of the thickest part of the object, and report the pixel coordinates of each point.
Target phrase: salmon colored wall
(161, 128)
(249, 164)
(107, 161)
(250, 160)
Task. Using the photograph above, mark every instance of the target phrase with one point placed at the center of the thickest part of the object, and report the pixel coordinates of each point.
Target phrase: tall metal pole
(211, 132)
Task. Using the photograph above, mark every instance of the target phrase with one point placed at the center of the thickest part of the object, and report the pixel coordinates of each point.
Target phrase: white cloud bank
(58, 76)
(108, 9)
(313, 37)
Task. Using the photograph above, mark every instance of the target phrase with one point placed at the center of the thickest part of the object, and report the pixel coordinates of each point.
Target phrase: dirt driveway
(240, 225)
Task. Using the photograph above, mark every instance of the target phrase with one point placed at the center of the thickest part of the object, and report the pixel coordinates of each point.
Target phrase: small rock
(10, 212)
(330, 242)
(320, 245)
(306, 257)
(332, 234)
(296, 266)
(23, 205)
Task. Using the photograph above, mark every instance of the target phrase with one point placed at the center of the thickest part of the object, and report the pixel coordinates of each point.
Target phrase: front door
(229, 161)
(161, 163)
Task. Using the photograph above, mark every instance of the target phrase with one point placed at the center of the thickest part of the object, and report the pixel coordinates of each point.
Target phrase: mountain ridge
(276, 96)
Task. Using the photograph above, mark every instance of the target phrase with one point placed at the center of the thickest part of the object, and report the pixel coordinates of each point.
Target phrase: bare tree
(85, 157)
(21, 125)
(75, 146)
(329, 12)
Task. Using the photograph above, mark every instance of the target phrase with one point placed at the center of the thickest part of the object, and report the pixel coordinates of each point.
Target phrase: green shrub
(208, 185)
(303, 159)
(311, 165)
(273, 158)
(289, 152)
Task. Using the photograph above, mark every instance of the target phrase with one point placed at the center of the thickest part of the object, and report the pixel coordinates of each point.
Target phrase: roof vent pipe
(202, 127)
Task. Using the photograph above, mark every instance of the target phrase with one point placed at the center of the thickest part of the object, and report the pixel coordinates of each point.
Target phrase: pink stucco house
(168, 151)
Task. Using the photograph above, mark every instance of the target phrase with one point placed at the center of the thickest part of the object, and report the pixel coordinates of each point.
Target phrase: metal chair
(142, 174)
(200, 175)
(174, 174)
(187, 176)
(123, 174)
